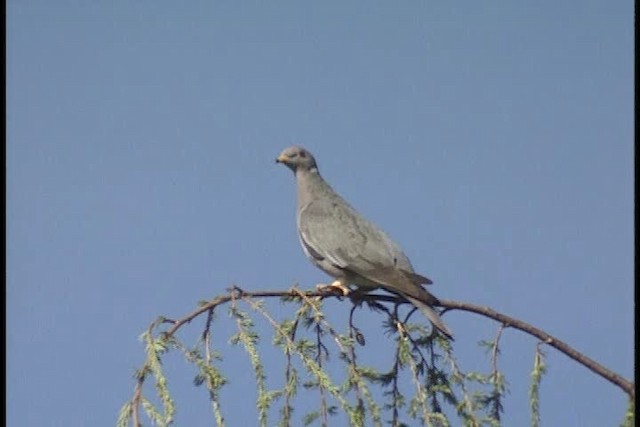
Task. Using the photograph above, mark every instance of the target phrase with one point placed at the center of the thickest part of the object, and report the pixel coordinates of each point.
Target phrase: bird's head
(297, 158)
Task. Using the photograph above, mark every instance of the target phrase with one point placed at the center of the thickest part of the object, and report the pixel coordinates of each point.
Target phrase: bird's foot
(337, 285)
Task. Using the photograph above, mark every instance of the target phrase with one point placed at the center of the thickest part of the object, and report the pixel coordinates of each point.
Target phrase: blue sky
(493, 141)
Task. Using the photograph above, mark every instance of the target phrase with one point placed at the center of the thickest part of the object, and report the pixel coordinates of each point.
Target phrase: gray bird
(347, 246)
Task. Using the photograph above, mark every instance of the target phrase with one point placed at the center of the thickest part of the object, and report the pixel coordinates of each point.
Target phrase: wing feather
(333, 230)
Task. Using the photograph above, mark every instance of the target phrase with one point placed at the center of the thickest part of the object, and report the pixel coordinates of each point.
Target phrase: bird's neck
(309, 185)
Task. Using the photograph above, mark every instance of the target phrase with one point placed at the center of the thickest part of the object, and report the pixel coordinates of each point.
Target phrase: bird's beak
(281, 159)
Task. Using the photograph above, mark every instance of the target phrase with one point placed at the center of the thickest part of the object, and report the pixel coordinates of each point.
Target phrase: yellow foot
(338, 284)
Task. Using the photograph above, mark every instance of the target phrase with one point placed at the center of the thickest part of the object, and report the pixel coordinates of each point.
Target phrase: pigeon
(347, 246)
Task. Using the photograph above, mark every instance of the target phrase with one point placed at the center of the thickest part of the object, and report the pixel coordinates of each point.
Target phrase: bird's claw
(334, 287)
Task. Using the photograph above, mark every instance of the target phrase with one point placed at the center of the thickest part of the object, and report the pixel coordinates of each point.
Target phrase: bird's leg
(337, 284)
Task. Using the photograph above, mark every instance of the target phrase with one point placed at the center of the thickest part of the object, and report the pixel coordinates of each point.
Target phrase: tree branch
(507, 321)
(627, 386)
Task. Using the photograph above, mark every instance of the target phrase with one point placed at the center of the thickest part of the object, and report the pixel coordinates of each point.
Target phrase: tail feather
(432, 315)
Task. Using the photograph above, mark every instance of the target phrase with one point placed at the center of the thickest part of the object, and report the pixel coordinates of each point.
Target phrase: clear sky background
(492, 140)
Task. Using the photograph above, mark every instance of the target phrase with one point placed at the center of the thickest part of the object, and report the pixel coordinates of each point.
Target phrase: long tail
(432, 315)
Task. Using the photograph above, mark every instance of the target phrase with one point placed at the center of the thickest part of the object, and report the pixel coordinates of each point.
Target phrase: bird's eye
(303, 154)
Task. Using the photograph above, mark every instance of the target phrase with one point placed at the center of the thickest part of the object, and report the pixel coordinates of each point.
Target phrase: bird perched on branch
(347, 246)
